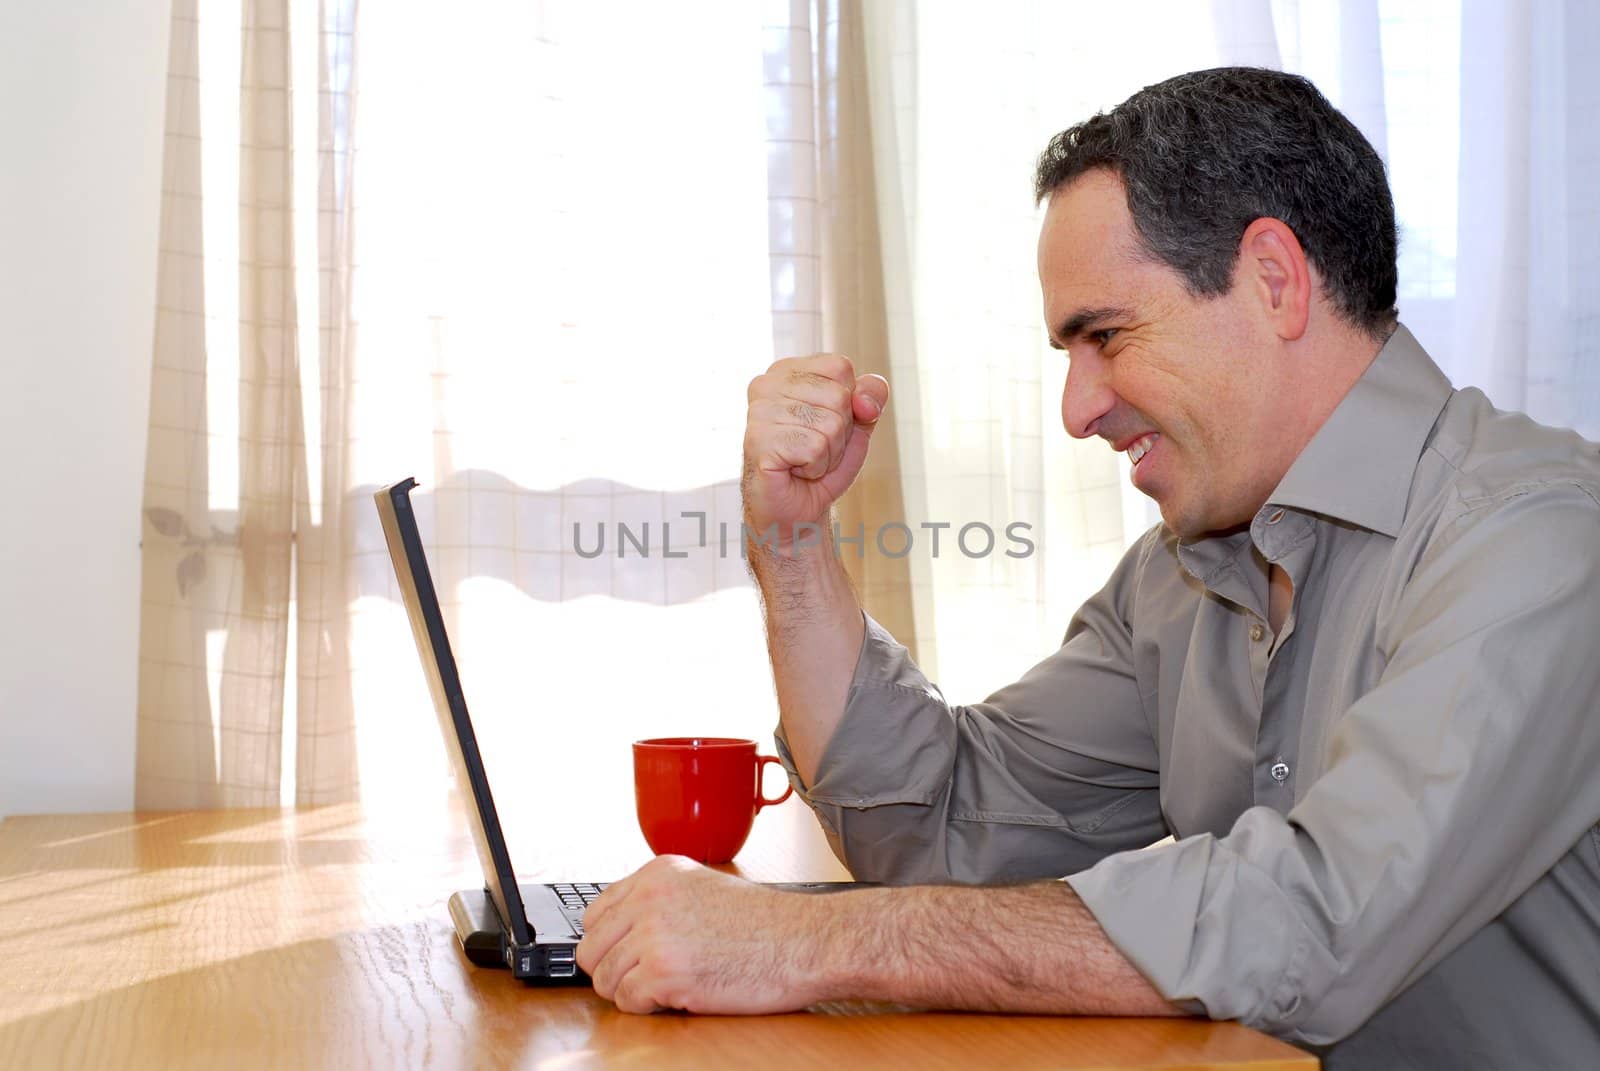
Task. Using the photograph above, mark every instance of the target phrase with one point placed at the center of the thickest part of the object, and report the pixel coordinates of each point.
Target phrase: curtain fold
(324, 750)
(255, 653)
(830, 245)
(225, 479)
(176, 760)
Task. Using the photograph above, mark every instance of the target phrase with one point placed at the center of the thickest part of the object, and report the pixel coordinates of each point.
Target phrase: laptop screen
(439, 666)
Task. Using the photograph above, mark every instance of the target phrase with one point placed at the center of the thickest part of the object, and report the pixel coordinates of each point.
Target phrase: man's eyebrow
(1075, 325)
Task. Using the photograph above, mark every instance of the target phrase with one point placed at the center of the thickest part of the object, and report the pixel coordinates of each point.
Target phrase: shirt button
(1280, 771)
(1256, 632)
(1277, 515)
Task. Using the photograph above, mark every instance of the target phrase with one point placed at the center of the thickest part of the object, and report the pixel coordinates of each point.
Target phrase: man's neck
(1321, 372)
(1280, 596)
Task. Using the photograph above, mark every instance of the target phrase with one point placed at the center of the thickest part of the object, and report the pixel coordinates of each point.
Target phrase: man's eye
(1103, 336)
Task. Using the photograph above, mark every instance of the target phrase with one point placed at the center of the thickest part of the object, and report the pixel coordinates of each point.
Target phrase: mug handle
(761, 768)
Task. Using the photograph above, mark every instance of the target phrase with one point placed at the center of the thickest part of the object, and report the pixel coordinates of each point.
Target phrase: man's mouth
(1140, 447)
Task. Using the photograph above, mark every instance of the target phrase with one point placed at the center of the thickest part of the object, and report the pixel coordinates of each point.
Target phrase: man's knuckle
(839, 395)
(626, 997)
(829, 422)
(824, 370)
(805, 443)
(600, 975)
(799, 377)
(652, 892)
(813, 416)
(759, 417)
(837, 366)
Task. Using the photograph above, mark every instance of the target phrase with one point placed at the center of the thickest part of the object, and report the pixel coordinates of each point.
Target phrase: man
(1352, 673)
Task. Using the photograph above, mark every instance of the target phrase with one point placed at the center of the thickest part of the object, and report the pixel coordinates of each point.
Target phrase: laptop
(532, 929)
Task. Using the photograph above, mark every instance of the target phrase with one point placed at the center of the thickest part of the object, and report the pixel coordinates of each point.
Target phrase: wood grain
(320, 938)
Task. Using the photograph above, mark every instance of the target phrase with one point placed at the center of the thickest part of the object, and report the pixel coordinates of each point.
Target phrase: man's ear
(1274, 267)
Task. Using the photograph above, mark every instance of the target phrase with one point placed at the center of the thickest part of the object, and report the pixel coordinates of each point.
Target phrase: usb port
(563, 970)
(561, 955)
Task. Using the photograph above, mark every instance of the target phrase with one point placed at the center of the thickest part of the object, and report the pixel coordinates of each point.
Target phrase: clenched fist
(806, 438)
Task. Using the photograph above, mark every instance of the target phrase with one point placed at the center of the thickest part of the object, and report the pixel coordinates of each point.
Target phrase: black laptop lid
(439, 666)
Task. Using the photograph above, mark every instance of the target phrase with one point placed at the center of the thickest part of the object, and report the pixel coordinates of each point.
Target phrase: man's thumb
(869, 400)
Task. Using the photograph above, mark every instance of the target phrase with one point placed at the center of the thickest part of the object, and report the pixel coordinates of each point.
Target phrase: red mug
(698, 795)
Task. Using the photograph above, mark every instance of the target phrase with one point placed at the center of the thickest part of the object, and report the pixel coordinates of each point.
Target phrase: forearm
(814, 634)
(806, 437)
(1027, 948)
(1046, 777)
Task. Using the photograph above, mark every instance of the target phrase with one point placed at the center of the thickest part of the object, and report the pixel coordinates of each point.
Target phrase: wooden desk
(319, 938)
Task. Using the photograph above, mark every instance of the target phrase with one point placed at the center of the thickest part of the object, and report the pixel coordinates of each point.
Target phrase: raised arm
(1045, 777)
(806, 438)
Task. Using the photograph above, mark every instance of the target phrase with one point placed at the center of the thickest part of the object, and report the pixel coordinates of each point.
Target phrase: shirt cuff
(1203, 924)
(895, 741)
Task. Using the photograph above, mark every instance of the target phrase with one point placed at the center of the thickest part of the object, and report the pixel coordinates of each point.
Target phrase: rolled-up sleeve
(1046, 776)
(1452, 786)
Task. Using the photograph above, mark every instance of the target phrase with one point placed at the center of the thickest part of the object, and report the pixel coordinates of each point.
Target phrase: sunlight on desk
(320, 937)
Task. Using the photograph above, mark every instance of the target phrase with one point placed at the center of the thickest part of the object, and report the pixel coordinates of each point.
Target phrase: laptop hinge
(525, 961)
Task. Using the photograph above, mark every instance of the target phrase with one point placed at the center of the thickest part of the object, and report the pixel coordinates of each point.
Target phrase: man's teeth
(1137, 451)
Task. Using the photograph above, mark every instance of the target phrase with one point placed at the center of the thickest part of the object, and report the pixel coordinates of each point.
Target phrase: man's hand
(806, 438)
(675, 934)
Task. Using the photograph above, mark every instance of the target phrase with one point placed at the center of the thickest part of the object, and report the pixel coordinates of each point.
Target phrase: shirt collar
(1359, 465)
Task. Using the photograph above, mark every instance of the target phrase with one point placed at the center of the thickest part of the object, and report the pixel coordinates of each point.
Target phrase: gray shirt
(1385, 816)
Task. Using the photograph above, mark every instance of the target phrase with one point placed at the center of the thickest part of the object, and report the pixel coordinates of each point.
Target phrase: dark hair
(1202, 155)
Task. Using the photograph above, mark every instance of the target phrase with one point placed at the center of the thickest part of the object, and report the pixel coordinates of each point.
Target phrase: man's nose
(1088, 395)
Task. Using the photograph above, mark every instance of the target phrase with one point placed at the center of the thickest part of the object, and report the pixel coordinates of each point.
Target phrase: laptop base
(482, 939)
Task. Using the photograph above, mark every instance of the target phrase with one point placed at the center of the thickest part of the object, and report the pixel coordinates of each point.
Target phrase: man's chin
(1191, 525)
(1177, 520)
(1180, 525)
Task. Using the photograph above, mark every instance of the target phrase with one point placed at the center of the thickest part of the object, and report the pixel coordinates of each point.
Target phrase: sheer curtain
(531, 253)
(1526, 309)
(244, 523)
(530, 243)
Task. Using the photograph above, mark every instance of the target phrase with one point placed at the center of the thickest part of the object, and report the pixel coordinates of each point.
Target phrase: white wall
(82, 92)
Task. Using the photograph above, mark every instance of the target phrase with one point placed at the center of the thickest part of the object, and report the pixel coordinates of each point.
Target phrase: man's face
(1184, 385)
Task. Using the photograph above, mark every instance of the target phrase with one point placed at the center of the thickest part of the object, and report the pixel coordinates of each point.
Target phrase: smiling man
(1351, 673)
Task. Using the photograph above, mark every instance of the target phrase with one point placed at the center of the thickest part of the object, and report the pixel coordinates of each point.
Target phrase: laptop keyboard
(575, 897)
